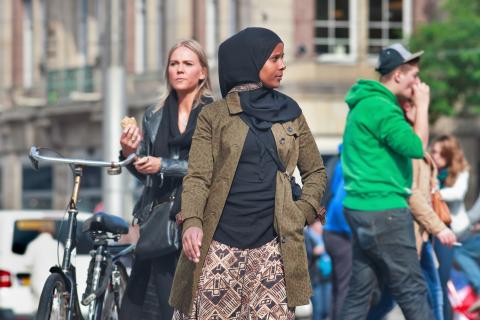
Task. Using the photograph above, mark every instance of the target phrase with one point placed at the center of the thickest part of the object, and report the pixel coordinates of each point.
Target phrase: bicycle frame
(67, 270)
(101, 255)
(71, 242)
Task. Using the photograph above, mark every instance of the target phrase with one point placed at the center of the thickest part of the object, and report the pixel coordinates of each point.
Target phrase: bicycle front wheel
(54, 299)
(114, 294)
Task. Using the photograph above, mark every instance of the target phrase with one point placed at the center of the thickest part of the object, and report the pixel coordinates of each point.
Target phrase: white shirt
(454, 197)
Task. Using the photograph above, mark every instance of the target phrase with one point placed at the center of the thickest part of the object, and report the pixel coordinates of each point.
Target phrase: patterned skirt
(241, 284)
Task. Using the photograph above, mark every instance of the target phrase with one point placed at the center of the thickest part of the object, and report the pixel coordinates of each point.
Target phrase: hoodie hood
(366, 89)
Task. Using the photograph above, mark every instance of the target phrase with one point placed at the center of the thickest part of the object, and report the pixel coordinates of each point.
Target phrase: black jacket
(170, 168)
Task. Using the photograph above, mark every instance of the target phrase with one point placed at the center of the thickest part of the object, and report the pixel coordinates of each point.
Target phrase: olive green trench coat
(216, 148)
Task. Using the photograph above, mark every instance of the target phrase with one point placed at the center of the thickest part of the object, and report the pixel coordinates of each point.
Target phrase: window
(37, 188)
(388, 22)
(334, 30)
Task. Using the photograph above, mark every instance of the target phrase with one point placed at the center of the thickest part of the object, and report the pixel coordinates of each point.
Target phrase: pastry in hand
(128, 121)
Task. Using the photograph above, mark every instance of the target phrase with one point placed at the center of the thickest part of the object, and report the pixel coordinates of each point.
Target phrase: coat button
(282, 140)
(283, 239)
(290, 129)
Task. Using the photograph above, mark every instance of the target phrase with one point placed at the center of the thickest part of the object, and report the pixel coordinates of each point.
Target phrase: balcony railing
(62, 83)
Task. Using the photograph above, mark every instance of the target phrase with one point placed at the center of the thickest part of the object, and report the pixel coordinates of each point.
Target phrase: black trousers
(148, 289)
(384, 248)
(339, 248)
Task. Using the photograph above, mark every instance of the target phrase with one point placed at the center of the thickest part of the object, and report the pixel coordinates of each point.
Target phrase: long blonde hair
(452, 152)
(204, 86)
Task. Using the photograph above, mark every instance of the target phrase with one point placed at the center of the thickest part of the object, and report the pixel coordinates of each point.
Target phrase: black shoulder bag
(159, 235)
(296, 189)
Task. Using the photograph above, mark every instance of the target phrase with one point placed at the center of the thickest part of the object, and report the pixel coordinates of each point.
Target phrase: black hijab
(240, 59)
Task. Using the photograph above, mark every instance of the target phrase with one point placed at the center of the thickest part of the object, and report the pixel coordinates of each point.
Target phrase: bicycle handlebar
(35, 157)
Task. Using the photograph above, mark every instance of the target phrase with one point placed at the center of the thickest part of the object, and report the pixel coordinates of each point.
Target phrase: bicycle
(107, 276)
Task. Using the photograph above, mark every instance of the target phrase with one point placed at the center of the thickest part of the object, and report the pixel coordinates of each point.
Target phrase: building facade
(53, 56)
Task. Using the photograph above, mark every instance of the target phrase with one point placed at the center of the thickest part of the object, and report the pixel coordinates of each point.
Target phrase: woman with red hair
(453, 174)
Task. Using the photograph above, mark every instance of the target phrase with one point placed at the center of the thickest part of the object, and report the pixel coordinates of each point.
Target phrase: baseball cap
(393, 56)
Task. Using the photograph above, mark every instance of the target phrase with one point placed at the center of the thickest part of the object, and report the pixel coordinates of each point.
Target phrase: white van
(17, 229)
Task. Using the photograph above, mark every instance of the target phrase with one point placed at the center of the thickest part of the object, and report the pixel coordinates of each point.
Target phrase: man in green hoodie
(379, 146)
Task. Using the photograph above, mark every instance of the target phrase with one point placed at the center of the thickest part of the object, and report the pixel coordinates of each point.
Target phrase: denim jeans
(430, 273)
(467, 257)
(321, 299)
(384, 247)
(445, 259)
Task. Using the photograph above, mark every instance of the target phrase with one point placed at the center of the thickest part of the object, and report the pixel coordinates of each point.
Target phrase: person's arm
(422, 210)
(474, 212)
(196, 186)
(420, 207)
(142, 149)
(173, 167)
(159, 166)
(421, 101)
(396, 132)
(312, 171)
(458, 190)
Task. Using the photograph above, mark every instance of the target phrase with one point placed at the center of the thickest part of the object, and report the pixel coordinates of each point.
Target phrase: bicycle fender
(68, 280)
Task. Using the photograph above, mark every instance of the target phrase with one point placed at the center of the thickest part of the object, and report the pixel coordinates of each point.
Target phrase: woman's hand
(179, 218)
(130, 139)
(148, 165)
(192, 242)
(447, 237)
(319, 250)
(132, 236)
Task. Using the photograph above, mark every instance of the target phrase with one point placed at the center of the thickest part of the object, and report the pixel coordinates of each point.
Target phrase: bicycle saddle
(105, 222)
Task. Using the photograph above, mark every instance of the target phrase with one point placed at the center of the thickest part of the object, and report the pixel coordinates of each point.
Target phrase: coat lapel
(235, 131)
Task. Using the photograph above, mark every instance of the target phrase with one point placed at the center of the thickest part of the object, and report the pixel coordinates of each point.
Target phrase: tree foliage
(451, 62)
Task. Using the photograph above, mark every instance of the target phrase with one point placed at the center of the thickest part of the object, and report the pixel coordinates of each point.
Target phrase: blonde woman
(164, 145)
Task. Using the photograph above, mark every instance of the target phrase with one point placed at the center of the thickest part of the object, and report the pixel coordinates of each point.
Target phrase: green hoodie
(378, 144)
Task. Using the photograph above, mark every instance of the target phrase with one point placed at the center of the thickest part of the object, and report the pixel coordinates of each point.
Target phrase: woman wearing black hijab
(243, 247)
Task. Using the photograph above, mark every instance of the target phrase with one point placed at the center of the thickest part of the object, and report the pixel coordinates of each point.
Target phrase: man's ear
(397, 75)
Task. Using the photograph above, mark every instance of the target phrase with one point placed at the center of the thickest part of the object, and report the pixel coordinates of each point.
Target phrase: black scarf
(169, 141)
(240, 59)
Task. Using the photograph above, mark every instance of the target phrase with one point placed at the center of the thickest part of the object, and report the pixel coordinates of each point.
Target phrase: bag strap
(272, 153)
